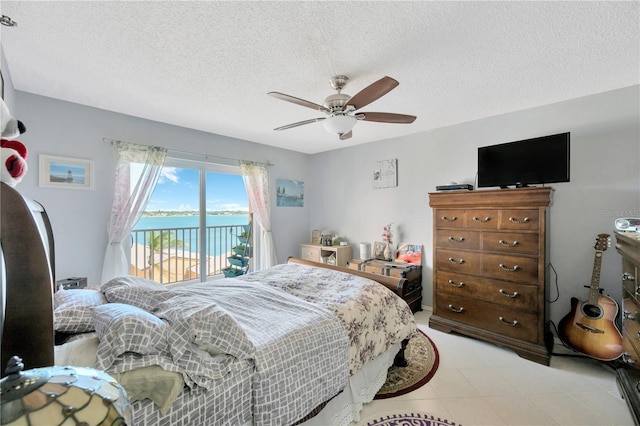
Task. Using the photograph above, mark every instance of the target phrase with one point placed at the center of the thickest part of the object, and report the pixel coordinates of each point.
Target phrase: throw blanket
(291, 342)
(373, 316)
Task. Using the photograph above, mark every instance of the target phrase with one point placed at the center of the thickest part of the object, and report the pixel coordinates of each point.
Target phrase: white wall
(605, 180)
(605, 184)
(79, 218)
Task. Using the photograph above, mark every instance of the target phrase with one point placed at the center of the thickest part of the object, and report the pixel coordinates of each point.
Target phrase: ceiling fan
(341, 108)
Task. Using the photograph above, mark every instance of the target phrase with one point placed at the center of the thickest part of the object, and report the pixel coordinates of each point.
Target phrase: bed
(299, 343)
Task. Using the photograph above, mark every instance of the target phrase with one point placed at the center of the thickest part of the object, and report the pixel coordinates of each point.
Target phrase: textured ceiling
(209, 65)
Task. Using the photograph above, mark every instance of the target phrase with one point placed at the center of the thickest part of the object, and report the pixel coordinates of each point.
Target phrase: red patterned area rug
(422, 355)
(413, 419)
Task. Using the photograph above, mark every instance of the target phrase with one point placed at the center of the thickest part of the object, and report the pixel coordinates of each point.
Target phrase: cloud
(233, 206)
(169, 174)
(217, 205)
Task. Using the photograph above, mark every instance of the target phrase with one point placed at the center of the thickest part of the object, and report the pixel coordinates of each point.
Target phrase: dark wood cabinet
(490, 277)
(628, 245)
(409, 288)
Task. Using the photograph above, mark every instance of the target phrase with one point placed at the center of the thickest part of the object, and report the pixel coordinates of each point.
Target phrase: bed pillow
(124, 328)
(72, 310)
(140, 292)
(79, 352)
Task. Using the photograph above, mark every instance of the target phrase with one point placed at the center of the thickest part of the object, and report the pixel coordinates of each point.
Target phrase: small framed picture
(378, 250)
(65, 172)
(289, 193)
(409, 253)
(385, 173)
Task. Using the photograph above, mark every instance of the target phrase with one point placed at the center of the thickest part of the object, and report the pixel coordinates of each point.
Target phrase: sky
(178, 189)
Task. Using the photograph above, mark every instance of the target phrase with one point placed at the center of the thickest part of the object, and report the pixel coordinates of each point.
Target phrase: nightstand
(331, 255)
(71, 283)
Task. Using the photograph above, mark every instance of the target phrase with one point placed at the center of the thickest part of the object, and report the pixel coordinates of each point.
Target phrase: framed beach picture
(409, 253)
(290, 193)
(65, 172)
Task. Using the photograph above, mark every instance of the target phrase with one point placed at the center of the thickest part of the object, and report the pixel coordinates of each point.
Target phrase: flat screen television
(526, 162)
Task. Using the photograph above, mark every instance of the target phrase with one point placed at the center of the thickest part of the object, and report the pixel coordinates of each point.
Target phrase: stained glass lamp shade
(62, 396)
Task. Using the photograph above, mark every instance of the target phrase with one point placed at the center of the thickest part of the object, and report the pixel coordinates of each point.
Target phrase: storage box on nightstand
(357, 264)
(410, 290)
(71, 283)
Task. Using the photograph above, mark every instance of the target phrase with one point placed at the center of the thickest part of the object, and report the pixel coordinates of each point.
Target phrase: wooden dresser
(331, 255)
(628, 245)
(489, 257)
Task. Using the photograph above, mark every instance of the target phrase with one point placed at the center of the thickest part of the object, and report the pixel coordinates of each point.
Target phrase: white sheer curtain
(129, 200)
(256, 182)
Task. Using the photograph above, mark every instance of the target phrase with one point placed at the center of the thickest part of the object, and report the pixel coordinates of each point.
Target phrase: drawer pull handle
(485, 220)
(626, 358)
(506, 268)
(451, 219)
(457, 262)
(453, 284)
(504, 243)
(457, 310)
(628, 315)
(627, 277)
(511, 295)
(512, 323)
(516, 220)
(459, 240)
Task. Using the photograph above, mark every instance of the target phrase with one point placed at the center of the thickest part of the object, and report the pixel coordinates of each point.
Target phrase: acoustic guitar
(589, 327)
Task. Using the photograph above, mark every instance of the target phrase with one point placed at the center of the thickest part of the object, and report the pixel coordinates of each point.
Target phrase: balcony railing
(171, 255)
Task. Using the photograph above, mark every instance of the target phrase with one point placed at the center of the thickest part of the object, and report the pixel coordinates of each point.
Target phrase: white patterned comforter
(297, 331)
(216, 327)
(373, 316)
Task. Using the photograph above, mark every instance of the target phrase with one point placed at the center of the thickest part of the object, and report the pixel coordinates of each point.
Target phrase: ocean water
(222, 243)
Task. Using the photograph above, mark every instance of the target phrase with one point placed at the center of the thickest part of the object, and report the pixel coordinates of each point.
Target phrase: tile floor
(478, 383)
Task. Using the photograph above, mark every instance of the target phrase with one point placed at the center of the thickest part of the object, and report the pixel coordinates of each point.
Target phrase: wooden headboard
(393, 283)
(27, 282)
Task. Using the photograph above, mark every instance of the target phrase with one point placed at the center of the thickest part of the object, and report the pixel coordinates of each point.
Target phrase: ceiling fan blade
(373, 92)
(298, 101)
(300, 123)
(386, 117)
(347, 135)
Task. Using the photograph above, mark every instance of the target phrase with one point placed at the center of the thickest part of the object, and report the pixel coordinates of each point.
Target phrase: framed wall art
(290, 193)
(65, 172)
(385, 174)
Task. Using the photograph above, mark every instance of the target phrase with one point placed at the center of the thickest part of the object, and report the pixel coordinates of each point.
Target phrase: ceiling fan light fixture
(339, 124)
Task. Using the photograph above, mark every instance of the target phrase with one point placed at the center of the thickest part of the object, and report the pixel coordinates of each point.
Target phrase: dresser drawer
(449, 218)
(483, 218)
(458, 239)
(510, 242)
(511, 295)
(513, 268)
(630, 279)
(631, 322)
(514, 323)
(630, 355)
(526, 219)
(309, 252)
(458, 261)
